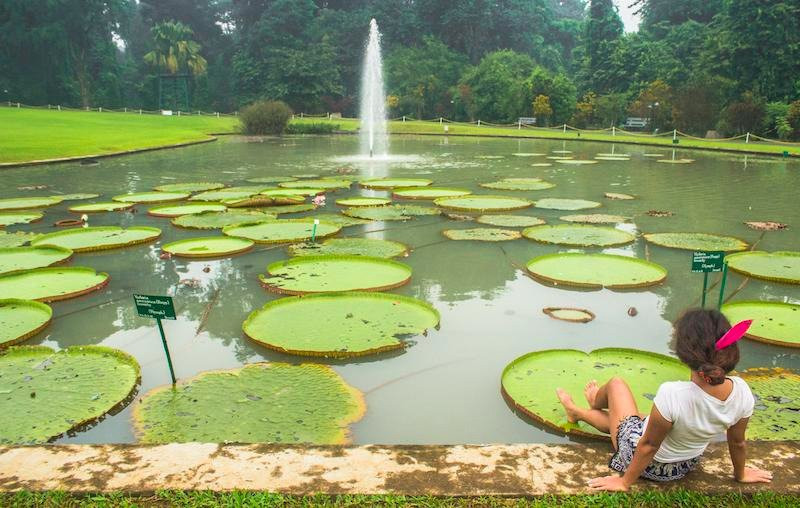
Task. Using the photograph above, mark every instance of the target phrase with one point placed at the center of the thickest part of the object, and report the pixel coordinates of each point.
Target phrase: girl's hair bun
(696, 334)
(714, 373)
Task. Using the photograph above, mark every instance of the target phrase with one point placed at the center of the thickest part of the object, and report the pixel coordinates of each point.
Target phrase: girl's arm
(738, 450)
(657, 429)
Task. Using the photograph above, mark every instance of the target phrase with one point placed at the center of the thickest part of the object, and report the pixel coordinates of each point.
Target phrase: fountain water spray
(373, 134)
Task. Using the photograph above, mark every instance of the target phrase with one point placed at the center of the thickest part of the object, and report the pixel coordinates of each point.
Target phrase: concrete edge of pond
(78, 158)
(513, 470)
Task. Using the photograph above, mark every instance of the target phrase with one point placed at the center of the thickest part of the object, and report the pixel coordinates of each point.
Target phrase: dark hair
(696, 334)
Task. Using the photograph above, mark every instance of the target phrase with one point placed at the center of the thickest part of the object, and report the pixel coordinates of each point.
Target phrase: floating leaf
(325, 274)
(773, 322)
(510, 221)
(272, 179)
(340, 219)
(281, 230)
(520, 184)
(777, 413)
(777, 266)
(619, 195)
(623, 155)
(595, 218)
(225, 194)
(305, 175)
(576, 162)
(697, 241)
(596, 270)
(764, 226)
(339, 325)
(350, 247)
(483, 203)
(15, 259)
(300, 191)
(151, 197)
(562, 151)
(218, 220)
(389, 183)
(482, 234)
(541, 164)
(528, 154)
(389, 212)
(11, 218)
(578, 235)
(170, 211)
(189, 187)
(676, 161)
(52, 284)
(17, 239)
(305, 207)
(569, 314)
(491, 157)
(329, 184)
(258, 403)
(363, 201)
(566, 204)
(260, 201)
(208, 247)
(659, 213)
(560, 158)
(110, 206)
(20, 320)
(53, 392)
(78, 196)
(429, 192)
(529, 383)
(98, 238)
(611, 158)
(25, 203)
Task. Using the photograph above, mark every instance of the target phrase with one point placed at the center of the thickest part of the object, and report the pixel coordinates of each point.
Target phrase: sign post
(157, 307)
(709, 261)
(314, 231)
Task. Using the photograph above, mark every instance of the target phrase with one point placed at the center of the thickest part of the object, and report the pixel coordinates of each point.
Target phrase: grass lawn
(681, 499)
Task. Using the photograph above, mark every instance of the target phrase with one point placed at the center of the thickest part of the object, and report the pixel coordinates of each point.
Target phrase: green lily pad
(78, 196)
(300, 191)
(619, 195)
(218, 220)
(151, 197)
(258, 403)
(15, 259)
(492, 157)
(611, 158)
(390, 183)
(325, 274)
(281, 230)
(482, 234)
(20, 320)
(331, 184)
(110, 206)
(595, 218)
(363, 201)
(260, 201)
(272, 179)
(596, 270)
(510, 221)
(208, 247)
(429, 192)
(350, 247)
(98, 238)
(189, 187)
(675, 161)
(339, 325)
(482, 203)
(52, 284)
(17, 239)
(623, 155)
(224, 194)
(562, 151)
(773, 322)
(697, 241)
(520, 184)
(305, 175)
(576, 162)
(560, 157)
(777, 392)
(530, 154)
(541, 164)
(341, 220)
(578, 235)
(566, 204)
(569, 314)
(26, 203)
(529, 383)
(53, 392)
(776, 266)
(389, 212)
(170, 211)
(305, 207)
(11, 218)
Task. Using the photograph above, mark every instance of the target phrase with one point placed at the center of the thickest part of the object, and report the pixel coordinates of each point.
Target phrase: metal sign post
(158, 308)
(707, 262)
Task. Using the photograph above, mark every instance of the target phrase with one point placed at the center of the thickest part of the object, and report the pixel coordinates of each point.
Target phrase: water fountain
(373, 133)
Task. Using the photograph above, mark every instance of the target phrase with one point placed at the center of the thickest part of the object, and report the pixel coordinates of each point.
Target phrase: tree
(659, 14)
(697, 104)
(793, 119)
(558, 88)
(174, 51)
(746, 115)
(498, 86)
(655, 104)
(585, 111)
(601, 38)
(542, 109)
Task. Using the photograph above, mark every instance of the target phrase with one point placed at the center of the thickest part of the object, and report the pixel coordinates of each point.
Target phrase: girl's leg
(597, 418)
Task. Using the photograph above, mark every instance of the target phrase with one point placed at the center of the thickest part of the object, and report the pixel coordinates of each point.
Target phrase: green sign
(158, 307)
(705, 262)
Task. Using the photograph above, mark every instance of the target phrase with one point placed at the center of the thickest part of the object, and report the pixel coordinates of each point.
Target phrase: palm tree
(175, 55)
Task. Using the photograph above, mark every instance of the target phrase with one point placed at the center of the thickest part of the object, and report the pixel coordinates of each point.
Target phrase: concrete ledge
(462, 470)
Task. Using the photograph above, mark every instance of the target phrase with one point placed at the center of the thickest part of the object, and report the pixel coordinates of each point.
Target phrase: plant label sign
(158, 307)
(705, 262)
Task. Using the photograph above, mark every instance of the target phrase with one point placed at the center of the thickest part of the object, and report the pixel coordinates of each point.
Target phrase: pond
(444, 387)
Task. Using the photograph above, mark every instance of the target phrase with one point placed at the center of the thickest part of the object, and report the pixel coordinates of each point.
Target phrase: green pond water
(445, 387)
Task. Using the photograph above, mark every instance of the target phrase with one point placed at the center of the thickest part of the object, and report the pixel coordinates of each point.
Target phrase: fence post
(140, 111)
(440, 119)
(747, 140)
(479, 122)
(100, 109)
(48, 106)
(301, 114)
(217, 113)
(404, 118)
(18, 105)
(126, 109)
(519, 125)
(565, 128)
(59, 107)
(179, 112)
(613, 130)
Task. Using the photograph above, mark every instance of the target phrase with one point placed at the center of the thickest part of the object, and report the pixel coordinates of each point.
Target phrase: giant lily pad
(11, 218)
(281, 230)
(21, 319)
(170, 211)
(576, 162)
(389, 212)
(363, 201)
(611, 158)
(218, 220)
(595, 218)
(272, 179)
(325, 274)
(189, 187)
(696, 241)
(300, 191)
(110, 206)
(429, 192)
(52, 284)
(339, 325)
(676, 161)
(529, 383)
(566, 204)
(258, 403)
(98, 238)
(225, 194)
(151, 197)
(52, 392)
(331, 184)
(773, 322)
(777, 266)
(520, 184)
(619, 196)
(208, 247)
(571, 315)
(482, 234)
(391, 183)
(15, 259)
(596, 270)
(261, 200)
(350, 247)
(16, 239)
(510, 221)
(481, 203)
(304, 207)
(777, 393)
(341, 220)
(78, 196)
(578, 235)
(25, 203)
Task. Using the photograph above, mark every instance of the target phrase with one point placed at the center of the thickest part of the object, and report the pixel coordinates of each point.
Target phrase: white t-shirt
(697, 417)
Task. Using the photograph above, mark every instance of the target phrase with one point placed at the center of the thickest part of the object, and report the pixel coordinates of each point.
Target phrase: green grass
(681, 499)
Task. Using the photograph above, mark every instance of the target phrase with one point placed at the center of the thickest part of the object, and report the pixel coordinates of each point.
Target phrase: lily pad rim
(528, 202)
(594, 285)
(66, 296)
(64, 250)
(550, 311)
(751, 253)
(758, 338)
(72, 231)
(396, 190)
(629, 238)
(309, 220)
(216, 254)
(154, 211)
(27, 335)
(647, 237)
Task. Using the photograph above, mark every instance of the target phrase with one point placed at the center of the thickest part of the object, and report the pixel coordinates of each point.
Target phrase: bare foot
(569, 405)
(591, 392)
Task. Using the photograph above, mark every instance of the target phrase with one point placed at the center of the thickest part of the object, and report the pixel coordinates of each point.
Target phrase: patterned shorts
(628, 435)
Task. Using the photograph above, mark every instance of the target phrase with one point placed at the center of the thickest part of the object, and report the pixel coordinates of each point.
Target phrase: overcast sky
(626, 13)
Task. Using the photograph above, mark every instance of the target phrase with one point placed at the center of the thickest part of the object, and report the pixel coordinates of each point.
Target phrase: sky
(626, 13)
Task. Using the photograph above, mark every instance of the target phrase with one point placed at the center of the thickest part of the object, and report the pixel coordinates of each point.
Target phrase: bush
(312, 128)
(747, 115)
(265, 117)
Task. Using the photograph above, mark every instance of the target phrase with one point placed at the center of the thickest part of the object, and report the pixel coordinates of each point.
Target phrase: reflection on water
(491, 311)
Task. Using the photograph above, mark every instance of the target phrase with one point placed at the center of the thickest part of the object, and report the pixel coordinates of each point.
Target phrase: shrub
(793, 119)
(747, 115)
(312, 128)
(265, 117)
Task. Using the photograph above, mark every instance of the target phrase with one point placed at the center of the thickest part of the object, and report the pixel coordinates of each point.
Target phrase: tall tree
(601, 39)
